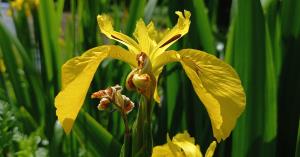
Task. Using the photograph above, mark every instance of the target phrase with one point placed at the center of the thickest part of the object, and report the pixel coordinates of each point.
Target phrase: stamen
(170, 40)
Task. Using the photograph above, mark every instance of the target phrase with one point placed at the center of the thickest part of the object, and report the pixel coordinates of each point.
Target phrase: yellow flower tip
(105, 23)
(67, 125)
(140, 27)
(211, 149)
(185, 15)
(184, 18)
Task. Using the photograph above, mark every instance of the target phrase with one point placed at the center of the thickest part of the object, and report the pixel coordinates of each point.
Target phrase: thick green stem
(142, 131)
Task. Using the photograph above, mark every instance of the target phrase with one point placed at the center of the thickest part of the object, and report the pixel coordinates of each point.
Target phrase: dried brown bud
(113, 95)
(104, 103)
(107, 93)
(128, 104)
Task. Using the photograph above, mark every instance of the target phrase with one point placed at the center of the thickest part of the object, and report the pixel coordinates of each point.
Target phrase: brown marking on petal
(130, 84)
(170, 40)
(116, 38)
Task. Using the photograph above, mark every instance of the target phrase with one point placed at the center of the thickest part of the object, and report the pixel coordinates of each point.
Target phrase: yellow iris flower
(215, 82)
(182, 145)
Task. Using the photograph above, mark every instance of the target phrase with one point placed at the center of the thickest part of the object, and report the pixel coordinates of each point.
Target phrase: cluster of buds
(141, 78)
(113, 95)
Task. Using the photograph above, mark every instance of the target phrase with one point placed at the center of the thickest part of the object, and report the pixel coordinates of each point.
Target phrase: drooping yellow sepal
(77, 74)
(219, 88)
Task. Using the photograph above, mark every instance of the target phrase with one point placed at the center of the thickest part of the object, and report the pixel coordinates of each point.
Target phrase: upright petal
(142, 36)
(179, 30)
(106, 27)
(77, 74)
(219, 88)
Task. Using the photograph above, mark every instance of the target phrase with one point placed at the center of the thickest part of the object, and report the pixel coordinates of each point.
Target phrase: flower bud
(141, 82)
(128, 104)
(104, 102)
(129, 84)
(113, 95)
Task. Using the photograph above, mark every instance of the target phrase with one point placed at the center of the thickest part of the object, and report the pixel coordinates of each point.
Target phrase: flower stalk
(142, 141)
(143, 81)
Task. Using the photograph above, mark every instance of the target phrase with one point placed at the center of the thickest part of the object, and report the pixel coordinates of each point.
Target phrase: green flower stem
(126, 148)
(142, 131)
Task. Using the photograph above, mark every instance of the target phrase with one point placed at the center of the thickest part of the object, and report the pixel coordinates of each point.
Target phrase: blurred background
(259, 38)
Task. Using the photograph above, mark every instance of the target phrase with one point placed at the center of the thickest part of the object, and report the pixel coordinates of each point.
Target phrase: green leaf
(290, 18)
(249, 50)
(203, 27)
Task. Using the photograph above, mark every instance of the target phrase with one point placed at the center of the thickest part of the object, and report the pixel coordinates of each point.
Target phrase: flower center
(142, 78)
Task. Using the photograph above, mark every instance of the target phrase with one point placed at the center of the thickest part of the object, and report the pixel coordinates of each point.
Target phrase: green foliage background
(260, 39)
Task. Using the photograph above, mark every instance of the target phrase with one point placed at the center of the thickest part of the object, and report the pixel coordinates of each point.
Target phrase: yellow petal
(153, 33)
(77, 74)
(182, 145)
(187, 144)
(106, 27)
(219, 88)
(156, 35)
(163, 59)
(162, 151)
(211, 149)
(179, 30)
(157, 66)
(141, 34)
(156, 94)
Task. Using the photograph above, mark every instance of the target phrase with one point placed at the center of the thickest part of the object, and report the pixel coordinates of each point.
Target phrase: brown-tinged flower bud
(113, 95)
(129, 84)
(141, 81)
(104, 103)
(128, 104)
(118, 99)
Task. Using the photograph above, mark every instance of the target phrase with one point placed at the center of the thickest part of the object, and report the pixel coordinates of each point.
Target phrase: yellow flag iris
(215, 82)
(182, 145)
